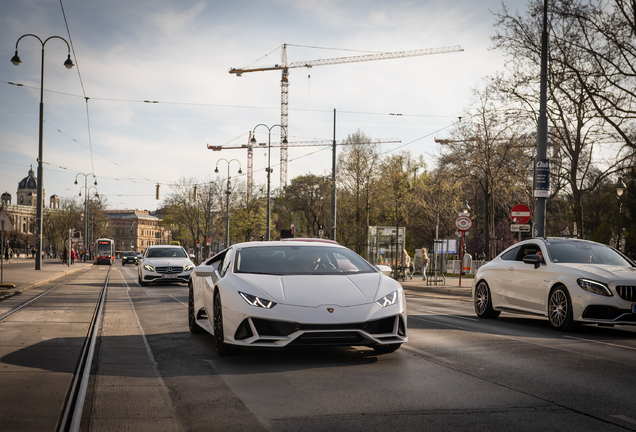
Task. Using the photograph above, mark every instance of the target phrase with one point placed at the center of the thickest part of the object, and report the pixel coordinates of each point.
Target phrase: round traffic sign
(520, 214)
(463, 223)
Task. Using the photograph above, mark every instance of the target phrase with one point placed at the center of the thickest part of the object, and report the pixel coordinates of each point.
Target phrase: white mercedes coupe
(295, 293)
(568, 280)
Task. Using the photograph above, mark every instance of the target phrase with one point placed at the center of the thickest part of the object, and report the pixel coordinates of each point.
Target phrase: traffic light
(77, 234)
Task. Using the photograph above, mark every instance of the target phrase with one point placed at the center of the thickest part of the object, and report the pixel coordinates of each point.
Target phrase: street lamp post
(87, 215)
(228, 192)
(86, 206)
(269, 169)
(620, 188)
(462, 251)
(40, 189)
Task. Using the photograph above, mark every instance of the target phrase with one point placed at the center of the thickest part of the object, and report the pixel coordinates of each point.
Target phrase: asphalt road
(456, 373)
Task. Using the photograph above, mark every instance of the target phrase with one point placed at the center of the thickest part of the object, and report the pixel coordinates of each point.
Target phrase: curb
(12, 292)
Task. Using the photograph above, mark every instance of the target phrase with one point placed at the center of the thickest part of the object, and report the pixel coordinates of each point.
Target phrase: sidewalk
(451, 286)
(21, 273)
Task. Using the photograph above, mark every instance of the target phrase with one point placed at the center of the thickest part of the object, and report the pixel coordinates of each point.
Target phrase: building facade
(135, 230)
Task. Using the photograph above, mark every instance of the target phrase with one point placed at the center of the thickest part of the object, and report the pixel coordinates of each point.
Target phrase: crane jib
(353, 59)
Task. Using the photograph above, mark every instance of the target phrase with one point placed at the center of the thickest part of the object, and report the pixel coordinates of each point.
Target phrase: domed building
(6, 198)
(27, 193)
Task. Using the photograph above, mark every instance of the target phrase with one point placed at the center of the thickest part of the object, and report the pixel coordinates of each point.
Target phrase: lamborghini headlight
(594, 287)
(252, 300)
(188, 267)
(388, 300)
(149, 267)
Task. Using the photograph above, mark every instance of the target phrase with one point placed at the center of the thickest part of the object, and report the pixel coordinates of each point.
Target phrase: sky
(178, 53)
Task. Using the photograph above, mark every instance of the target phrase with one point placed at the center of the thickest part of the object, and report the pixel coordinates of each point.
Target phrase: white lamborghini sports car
(277, 294)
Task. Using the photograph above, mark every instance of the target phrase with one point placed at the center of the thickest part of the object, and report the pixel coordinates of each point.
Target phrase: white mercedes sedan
(295, 293)
(569, 281)
(165, 263)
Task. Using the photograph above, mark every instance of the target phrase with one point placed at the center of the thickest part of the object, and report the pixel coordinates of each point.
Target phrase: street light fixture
(87, 238)
(86, 206)
(620, 188)
(269, 169)
(40, 185)
(227, 192)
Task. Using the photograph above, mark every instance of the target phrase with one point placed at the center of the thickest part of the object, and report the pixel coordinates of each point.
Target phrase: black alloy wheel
(192, 324)
(483, 302)
(222, 348)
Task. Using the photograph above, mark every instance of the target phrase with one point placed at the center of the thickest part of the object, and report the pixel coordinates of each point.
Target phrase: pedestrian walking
(73, 256)
(65, 256)
(406, 264)
(425, 261)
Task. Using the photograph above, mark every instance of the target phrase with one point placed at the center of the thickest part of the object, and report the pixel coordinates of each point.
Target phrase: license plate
(168, 276)
(634, 308)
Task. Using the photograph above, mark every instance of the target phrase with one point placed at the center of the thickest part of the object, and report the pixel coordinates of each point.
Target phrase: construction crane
(250, 151)
(284, 82)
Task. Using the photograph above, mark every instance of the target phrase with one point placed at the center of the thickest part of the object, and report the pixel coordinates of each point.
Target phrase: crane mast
(284, 82)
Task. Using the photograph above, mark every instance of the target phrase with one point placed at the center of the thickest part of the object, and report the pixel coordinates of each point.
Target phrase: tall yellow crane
(284, 67)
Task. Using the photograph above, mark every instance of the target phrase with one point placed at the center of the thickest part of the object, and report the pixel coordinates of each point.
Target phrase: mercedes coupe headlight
(252, 300)
(388, 300)
(188, 267)
(149, 267)
(594, 287)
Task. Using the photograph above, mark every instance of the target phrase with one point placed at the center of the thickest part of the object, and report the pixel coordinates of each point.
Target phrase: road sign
(74, 240)
(519, 228)
(520, 214)
(463, 223)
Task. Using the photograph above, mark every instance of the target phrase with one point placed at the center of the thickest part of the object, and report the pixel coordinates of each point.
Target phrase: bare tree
(357, 177)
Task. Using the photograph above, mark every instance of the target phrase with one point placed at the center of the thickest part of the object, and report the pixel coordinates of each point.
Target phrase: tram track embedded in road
(73, 408)
(71, 414)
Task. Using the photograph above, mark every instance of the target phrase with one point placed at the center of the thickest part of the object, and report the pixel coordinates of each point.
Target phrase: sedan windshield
(173, 252)
(299, 260)
(584, 253)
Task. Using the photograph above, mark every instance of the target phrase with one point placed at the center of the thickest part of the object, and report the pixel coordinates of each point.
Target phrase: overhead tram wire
(231, 106)
(88, 122)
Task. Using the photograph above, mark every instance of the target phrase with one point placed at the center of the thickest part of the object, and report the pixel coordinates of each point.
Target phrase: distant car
(567, 280)
(129, 258)
(286, 293)
(166, 263)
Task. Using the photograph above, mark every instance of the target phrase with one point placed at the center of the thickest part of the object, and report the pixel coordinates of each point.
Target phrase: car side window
(511, 255)
(226, 262)
(528, 249)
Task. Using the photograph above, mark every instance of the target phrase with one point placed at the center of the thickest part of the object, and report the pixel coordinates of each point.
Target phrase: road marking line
(624, 418)
(178, 300)
(449, 315)
(599, 342)
(521, 339)
(428, 354)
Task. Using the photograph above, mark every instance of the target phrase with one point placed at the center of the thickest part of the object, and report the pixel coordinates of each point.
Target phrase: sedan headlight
(252, 300)
(188, 267)
(388, 300)
(594, 287)
(149, 267)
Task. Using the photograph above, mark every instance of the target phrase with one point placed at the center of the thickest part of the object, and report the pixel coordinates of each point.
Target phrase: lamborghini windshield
(300, 260)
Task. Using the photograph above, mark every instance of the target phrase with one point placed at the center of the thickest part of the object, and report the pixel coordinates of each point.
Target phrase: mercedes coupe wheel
(221, 347)
(483, 302)
(141, 283)
(192, 323)
(560, 309)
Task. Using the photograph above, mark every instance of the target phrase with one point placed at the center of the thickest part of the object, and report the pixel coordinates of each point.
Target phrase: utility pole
(541, 163)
